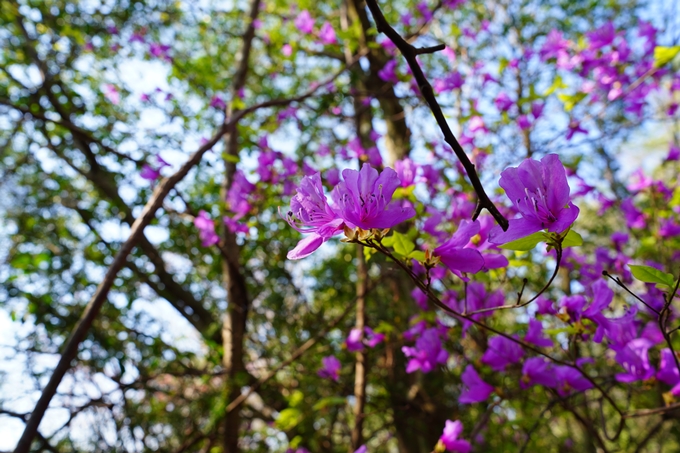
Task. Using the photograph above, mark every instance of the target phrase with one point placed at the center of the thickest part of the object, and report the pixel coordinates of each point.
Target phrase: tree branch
(410, 53)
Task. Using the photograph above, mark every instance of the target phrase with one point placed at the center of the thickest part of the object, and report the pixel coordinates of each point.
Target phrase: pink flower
(331, 368)
(304, 22)
(111, 93)
(364, 198)
(217, 103)
(452, 430)
(287, 50)
(206, 229)
(475, 389)
(327, 34)
(540, 192)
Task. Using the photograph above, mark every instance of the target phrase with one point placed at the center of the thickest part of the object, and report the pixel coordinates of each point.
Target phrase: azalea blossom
(475, 389)
(427, 352)
(327, 34)
(304, 22)
(331, 368)
(450, 437)
(364, 199)
(540, 192)
(502, 352)
(206, 229)
(454, 253)
(310, 213)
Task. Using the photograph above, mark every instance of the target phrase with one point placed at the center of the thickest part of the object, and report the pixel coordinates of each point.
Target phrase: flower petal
(306, 247)
(517, 229)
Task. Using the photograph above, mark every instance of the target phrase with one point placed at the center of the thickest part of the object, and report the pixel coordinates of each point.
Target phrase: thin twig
(524, 304)
(618, 281)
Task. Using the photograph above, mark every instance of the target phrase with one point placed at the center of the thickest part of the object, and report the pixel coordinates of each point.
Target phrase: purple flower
(111, 93)
(452, 430)
(502, 352)
(673, 153)
(523, 122)
(364, 198)
(602, 37)
(354, 341)
(331, 368)
(217, 103)
(573, 306)
(476, 123)
(477, 299)
(452, 81)
(570, 379)
(136, 37)
(668, 370)
(327, 34)
(427, 353)
(537, 370)
(406, 170)
(540, 192)
(554, 45)
(535, 334)
(310, 213)
(545, 306)
(503, 102)
(234, 225)
(456, 256)
(669, 228)
(573, 128)
(333, 176)
(475, 389)
(420, 298)
(150, 173)
(388, 72)
(160, 51)
(634, 359)
(361, 449)
(304, 22)
(206, 229)
(537, 109)
(634, 218)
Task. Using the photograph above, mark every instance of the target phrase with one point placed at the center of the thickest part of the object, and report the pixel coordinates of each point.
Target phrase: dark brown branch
(94, 306)
(410, 53)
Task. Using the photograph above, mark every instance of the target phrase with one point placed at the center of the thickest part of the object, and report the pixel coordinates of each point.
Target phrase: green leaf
(663, 55)
(402, 244)
(417, 255)
(557, 84)
(570, 100)
(289, 418)
(649, 274)
(329, 401)
(573, 239)
(524, 244)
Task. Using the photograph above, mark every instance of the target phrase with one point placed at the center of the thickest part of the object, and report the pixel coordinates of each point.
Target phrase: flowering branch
(375, 243)
(410, 53)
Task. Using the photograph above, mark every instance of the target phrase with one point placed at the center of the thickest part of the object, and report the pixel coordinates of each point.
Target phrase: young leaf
(524, 244)
(573, 239)
(663, 55)
(649, 274)
(402, 244)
